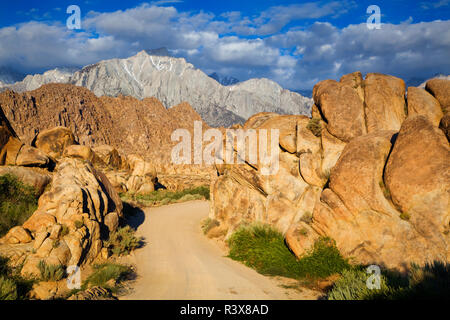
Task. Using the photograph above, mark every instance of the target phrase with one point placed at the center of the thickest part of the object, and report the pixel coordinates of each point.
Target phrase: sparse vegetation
(17, 203)
(64, 231)
(315, 127)
(8, 289)
(261, 247)
(405, 216)
(352, 286)
(123, 241)
(208, 224)
(307, 217)
(303, 231)
(79, 224)
(431, 281)
(386, 192)
(107, 275)
(12, 285)
(51, 272)
(164, 197)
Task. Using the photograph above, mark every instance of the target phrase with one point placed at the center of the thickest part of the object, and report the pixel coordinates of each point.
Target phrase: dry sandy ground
(179, 263)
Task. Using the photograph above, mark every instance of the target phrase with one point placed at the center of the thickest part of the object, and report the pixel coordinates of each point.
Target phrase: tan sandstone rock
(17, 235)
(342, 108)
(54, 141)
(421, 102)
(78, 194)
(78, 151)
(17, 153)
(384, 97)
(440, 89)
(418, 176)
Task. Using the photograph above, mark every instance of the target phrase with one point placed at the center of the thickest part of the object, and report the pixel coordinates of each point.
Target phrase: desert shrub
(405, 216)
(431, 281)
(262, 247)
(105, 272)
(4, 269)
(323, 260)
(8, 289)
(17, 202)
(315, 127)
(51, 272)
(208, 224)
(79, 224)
(353, 286)
(164, 197)
(12, 285)
(123, 241)
(64, 230)
(307, 217)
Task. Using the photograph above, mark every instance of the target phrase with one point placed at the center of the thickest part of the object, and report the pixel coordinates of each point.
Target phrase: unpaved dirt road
(178, 262)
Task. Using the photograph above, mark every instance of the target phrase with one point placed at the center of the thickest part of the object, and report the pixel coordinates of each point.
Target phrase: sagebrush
(123, 241)
(105, 272)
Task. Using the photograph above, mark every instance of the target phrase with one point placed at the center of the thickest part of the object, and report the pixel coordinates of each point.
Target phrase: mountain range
(154, 73)
(224, 80)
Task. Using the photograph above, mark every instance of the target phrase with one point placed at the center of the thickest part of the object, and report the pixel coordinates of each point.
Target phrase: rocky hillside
(172, 81)
(133, 126)
(369, 170)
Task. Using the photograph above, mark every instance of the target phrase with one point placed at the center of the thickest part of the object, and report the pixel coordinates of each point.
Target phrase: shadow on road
(134, 216)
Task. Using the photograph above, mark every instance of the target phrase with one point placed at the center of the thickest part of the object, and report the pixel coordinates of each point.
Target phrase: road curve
(180, 263)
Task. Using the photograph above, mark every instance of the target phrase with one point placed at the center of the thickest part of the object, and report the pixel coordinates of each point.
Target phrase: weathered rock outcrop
(54, 141)
(341, 107)
(421, 102)
(440, 89)
(16, 153)
(362, 173)
(73, 217)
(56, 115)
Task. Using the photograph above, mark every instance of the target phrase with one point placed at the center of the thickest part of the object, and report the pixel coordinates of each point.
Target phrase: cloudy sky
(295, 43)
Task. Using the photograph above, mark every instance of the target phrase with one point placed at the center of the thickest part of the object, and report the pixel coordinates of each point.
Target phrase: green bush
(123, 241)
(261, 247)
(106, 272)
(17, 203)
(51, 272)
(8, 289)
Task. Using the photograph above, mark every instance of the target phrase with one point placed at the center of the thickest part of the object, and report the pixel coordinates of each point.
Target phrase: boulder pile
(368, 169)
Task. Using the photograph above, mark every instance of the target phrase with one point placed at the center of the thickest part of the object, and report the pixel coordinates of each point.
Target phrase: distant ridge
(154, 73)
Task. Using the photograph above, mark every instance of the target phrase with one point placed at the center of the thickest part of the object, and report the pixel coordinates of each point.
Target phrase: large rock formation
(78, 207)
(129, 125)
(172, 81)
(73, 218)
(362, 173)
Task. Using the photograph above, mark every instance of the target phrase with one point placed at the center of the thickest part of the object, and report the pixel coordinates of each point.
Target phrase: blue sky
(295, 43)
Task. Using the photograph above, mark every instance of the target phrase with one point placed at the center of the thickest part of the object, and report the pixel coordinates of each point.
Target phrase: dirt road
(179, 262)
